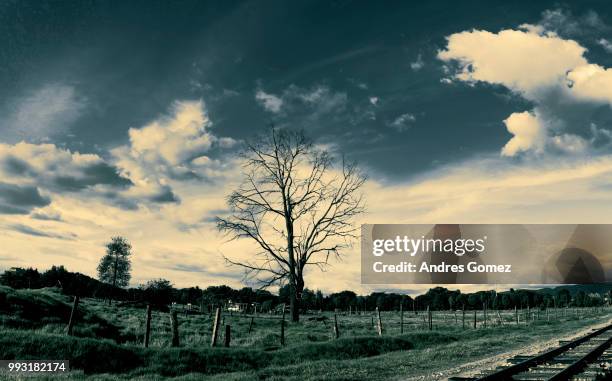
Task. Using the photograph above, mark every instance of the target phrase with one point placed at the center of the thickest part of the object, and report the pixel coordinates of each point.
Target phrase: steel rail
(507, 373)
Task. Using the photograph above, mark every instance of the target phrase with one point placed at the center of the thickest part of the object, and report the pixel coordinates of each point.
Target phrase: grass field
(108, 341)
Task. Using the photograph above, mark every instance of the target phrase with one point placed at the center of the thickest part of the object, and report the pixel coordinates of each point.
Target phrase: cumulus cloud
(172, 147)
(528, 133)
(57, 169)
(535, 62)
(33, 168)
(523, 61)
(591, 82)
(173, 140)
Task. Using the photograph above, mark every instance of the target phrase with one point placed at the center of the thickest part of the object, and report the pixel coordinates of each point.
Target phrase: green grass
(310, 354)
(47, 310)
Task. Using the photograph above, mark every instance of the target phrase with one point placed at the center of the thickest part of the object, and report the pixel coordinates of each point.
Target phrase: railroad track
(586, 358)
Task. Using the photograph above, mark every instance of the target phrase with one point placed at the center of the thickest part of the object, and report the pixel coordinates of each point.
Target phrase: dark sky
(120, 64)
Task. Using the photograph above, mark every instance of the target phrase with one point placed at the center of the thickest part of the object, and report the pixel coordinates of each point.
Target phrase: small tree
(294, 207)
(115, 266)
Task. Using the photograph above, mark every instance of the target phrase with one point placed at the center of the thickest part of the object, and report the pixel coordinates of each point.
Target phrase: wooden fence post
(372, 322)
(228, 335)
(336, 332)
(174, 326)
(429, 318)
(516, 316)
(282, 335)
(463, 317)
(147, 327)
(474, 318)
(73, 314)
(251, 324)
(528, 315)
(215, 333)
(401, 318)
(380, 326)
(484, 313)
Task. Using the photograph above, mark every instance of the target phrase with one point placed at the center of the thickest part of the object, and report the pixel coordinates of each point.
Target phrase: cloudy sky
(125, 117)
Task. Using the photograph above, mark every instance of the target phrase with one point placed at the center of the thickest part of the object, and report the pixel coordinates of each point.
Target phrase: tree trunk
(112, 291)
(293, 302)
(294, 305)
(297, 297)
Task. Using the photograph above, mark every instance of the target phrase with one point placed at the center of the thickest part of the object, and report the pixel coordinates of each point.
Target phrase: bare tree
(295, 206)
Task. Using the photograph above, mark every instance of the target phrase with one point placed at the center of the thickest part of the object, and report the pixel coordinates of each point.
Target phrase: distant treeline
(162, 292)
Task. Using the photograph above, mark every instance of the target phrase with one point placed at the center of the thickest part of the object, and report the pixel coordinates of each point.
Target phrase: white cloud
(520, 60)
(171, 147)
(56, 169)
(143, 172)
(270, 102)
(310, 103)
(591, 82)
(418, 64)
(402, 122)
(544, 68)
(36, 173)
(374, 100)
(607, 45)
(47, 111)
(326, 100)
(528, 133)
(175, 139)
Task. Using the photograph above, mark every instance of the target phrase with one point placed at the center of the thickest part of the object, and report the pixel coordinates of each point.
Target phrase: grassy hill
(108, 342)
